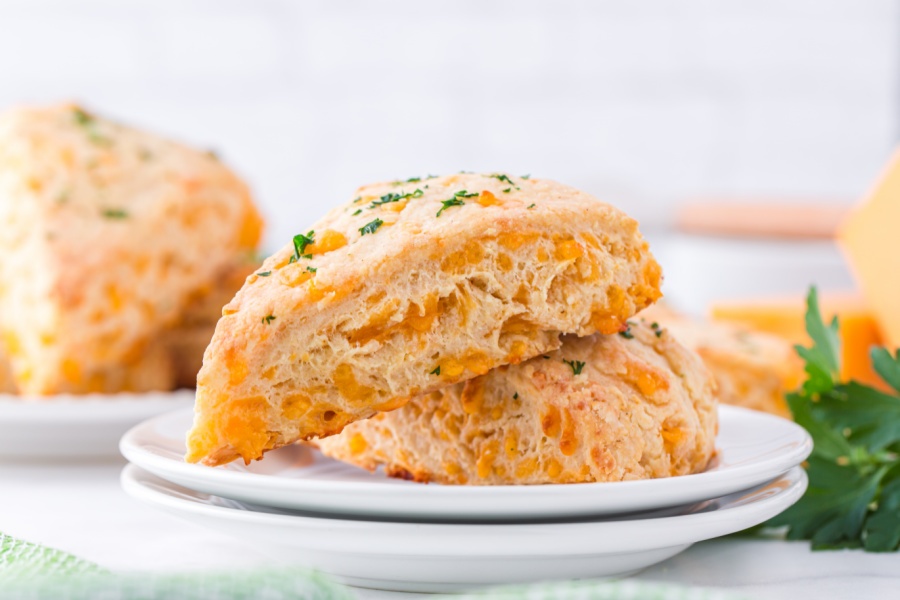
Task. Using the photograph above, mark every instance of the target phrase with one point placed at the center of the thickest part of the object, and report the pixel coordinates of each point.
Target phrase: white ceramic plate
(74, 427)
(753, 448)
(431, 557)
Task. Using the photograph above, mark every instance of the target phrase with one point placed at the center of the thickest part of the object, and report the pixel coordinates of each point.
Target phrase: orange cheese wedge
(785, 317)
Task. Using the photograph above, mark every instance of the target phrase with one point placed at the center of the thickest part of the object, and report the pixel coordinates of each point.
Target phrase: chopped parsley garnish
(89, 124)
(371, 227)
(456, 200)
(390, 197)
(503, 178)
(527, 176)
(854, 469)
(430, 176)
(414, 180)
(626, 333)
(300, 243)
(312, 269)
(576, 366)
(82, 118)
(445, 204)
(545, 357)
(516, 396)
(532, 205)
(507, 190)
(437, 371)
(357, 199)
(656, 328)
(358, 210)
(268, 319)
(264, 273)
(115, 213)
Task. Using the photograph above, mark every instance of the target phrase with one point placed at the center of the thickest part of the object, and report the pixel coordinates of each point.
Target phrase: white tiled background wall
(641, 102)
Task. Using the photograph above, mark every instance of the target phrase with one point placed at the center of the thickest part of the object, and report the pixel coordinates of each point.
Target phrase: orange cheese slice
(785, 317)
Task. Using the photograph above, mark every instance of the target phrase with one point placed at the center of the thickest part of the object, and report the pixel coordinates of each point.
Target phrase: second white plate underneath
(431, 557)
(753, 448)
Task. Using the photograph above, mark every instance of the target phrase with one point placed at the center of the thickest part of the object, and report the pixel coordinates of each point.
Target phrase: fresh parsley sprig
(853, 500)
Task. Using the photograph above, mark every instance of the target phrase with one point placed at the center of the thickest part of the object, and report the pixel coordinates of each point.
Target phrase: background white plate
(753, 448)
(73, 427)
(432, 557)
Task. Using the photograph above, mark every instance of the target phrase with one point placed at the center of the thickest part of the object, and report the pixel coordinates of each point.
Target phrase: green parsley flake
(358, 210)
(437, 371)
(445, 204)
(532, 205)
(528, 176)
(264, 273)
(626, 333)
(507, 190)
(115, 213)
(391, 197)
(371, 227)
(576, 366)
(516, 396)
(312, 269)
(503, 178)
(268, 319)
(300, 243)
(456, 200)
(357, 199)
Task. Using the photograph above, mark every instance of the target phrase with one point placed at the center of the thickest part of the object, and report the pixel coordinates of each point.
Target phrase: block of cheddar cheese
(869, 238)
(785, 317)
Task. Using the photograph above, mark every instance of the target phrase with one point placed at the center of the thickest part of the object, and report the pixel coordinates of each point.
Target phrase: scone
(636, 405)
(108, 232)
(188, 338)
(752, 369)
(410, 287)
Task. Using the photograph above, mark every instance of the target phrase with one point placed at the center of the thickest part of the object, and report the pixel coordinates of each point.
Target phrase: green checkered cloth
(33, 572)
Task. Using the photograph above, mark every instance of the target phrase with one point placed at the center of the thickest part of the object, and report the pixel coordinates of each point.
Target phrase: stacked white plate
(368, 530)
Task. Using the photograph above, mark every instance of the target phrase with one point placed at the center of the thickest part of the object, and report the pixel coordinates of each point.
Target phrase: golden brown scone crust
(108, 231)
(641, 407)
(392, 300)
(188, 338)
(752, 369)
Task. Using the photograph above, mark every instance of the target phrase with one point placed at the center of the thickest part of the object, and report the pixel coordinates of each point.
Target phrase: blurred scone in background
(117, 250)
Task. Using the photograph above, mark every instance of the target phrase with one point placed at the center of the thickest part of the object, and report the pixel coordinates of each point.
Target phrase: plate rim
(772, 466)
(746, 514)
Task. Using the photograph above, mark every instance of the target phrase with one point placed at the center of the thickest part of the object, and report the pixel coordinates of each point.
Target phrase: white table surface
(80, 508)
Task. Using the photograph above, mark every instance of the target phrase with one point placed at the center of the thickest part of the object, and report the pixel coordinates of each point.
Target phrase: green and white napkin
(33, 572)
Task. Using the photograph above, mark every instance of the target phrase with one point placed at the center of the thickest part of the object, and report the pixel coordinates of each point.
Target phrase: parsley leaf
(268, 319)
(887, 366)
(456, 200)
(445, 204)
(371, 227)
(391, 197)
(503, 178)
(115, 213)
(300, 243)
(437, 370)
(576, 366)
(264, 273)
(853, 499)
(626, 333)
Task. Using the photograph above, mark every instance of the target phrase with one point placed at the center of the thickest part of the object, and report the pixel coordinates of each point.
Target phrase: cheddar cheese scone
(188, 338)
(108, 231)
(601, 408)
(410, 287)
(752, 369)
